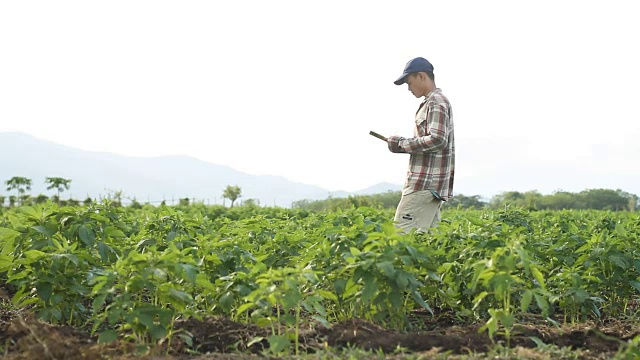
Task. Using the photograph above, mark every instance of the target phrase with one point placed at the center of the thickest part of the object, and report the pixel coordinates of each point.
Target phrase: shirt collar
(432, 93)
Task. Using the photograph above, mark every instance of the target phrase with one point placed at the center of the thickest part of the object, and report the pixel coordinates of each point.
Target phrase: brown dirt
(24, 337)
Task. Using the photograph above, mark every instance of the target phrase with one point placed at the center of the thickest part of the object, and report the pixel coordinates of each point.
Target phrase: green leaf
(31, 212)
(340, 286)
(7, 235)
(311, 277)
(290, 299)
(369, 291)
(56, 314)
(43, 230)
(620, 230)
(157, 331)
(507, 320)
(581, 295)
(525, 302)
(34, 254)
(255, 340)
(57, 244)
(434, 276)
(106, 252)
(539, 343)
(113, 232)
(203, 281)
(107, 336)
(321, 320)
(619, 260)
(288, 319)
(584, 248)
(278, 343)
(181, 296)
(6, 263)
(542, 303)
(402, 280)
(387, 268)
(406, 260)
(189, 340)
(145, 243)
(367, 264)
(144, 318)
(491, 325)
(328, 295)
(634, 283)
(226, 301)
(317, 306)
(478, 299)
(98, 302)
(244, 307)
(44, 291)
(190, 272)
(396, 300)
(70, 257)
(57, 298)
(538, 276)
(87, 235)
(418, 298)
(165, 316)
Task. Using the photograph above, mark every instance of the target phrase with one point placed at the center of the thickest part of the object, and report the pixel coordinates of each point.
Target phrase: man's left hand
(394, 143)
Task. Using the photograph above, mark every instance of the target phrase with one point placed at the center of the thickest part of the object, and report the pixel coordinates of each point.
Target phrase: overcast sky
(544, 93)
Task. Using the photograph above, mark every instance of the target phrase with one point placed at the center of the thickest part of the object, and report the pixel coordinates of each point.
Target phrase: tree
(465, 202)
(232, 193)
(40, 199)
(18, 183)
(251, 202)
(606, 199)
(57, 183)
(633, 202)
(560, 200)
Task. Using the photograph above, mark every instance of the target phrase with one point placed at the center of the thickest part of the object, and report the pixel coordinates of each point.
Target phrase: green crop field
(100, 281)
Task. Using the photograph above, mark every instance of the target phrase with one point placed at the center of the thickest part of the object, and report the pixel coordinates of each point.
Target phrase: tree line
(599, 199)
(22, 185)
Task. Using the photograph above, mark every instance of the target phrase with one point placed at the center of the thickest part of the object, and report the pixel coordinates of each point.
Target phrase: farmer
(429, 180)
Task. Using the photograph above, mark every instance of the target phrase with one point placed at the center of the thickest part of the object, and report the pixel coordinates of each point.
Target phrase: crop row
(133, 272)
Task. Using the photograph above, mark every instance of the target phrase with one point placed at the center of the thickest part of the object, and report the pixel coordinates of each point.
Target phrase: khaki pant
(419, 210)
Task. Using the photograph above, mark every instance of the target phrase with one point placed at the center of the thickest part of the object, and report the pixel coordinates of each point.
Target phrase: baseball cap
(414, 65)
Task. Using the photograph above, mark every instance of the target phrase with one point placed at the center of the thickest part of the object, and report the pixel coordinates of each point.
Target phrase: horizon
(542, 100)
(175, 199)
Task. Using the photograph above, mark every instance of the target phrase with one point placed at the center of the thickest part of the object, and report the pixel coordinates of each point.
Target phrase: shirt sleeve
(436, 128)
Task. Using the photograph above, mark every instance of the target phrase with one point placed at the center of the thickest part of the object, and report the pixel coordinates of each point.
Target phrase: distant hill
(379, 188)
(152, 179)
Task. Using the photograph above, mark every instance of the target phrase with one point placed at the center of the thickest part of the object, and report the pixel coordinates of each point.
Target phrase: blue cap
(413, 66)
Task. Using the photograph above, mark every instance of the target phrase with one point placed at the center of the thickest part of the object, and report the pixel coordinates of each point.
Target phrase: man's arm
(436, 126)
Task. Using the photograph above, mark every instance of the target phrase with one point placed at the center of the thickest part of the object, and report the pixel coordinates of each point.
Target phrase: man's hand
(393, 143)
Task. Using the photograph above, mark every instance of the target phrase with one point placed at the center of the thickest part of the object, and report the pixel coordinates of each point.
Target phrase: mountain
(151, 179)
(379, 188)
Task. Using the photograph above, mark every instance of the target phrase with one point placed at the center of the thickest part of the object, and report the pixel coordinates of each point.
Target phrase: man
(429, 179)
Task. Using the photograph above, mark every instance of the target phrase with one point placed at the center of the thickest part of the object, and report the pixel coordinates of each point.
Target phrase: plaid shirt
(432, 149)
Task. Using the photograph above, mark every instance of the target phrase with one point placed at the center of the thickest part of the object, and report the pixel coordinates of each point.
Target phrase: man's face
(415, 85)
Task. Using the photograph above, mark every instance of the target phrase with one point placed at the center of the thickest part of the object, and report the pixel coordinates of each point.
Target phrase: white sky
(292, 88)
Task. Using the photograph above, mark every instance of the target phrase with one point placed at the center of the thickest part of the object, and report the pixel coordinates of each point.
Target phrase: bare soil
(24, 337)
